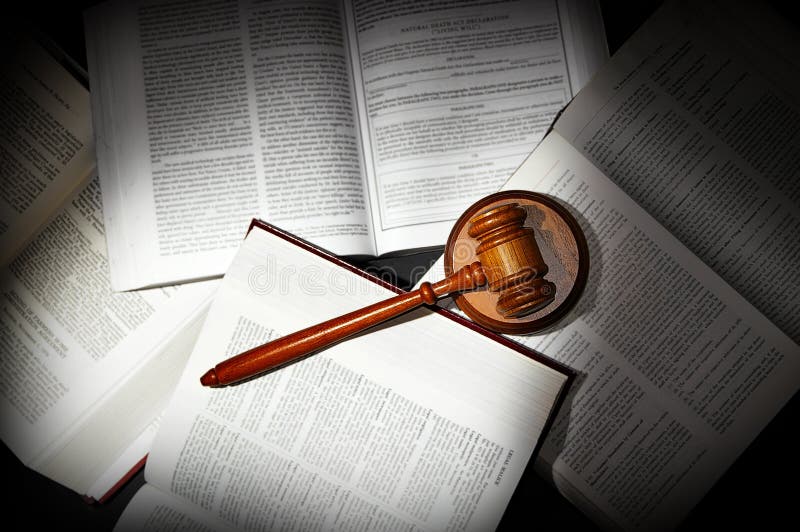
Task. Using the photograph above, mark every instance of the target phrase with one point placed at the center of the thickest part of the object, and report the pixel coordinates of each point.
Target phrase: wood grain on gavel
(509, 259)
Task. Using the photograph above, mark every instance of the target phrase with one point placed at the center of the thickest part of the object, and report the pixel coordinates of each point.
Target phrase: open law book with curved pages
(364, 127)
(85, 372)
(680, 160)
(423, 423)
(47, 149)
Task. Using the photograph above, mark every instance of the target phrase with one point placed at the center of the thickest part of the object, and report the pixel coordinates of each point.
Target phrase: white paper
(46, 142)
(77, 356)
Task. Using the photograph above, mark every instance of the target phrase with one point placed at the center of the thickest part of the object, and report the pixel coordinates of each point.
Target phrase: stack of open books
(366, 129)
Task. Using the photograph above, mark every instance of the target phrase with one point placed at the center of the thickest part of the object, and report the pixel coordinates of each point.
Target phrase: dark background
(758, 491)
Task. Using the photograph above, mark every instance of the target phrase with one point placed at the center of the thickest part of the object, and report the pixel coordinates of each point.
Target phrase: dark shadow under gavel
(508, 262)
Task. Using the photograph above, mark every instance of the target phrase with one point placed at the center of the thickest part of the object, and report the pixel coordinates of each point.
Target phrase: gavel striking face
(511, 260)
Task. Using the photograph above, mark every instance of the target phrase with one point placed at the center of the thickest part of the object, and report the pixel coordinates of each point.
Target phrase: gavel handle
(283, 350)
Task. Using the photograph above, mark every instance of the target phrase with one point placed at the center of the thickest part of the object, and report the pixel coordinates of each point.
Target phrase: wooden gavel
(509, 259)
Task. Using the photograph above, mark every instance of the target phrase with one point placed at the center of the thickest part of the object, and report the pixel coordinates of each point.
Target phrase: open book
(424, 423)
(46, 147)
(85, 372)
(686, 339)
(363, 127)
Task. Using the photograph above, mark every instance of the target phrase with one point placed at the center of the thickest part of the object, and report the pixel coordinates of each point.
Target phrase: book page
(677, 372)
(46, 144)
(211, 113)
(78, 357)
(454, 96)
(420, 424)
(699, 125)
(154, 509)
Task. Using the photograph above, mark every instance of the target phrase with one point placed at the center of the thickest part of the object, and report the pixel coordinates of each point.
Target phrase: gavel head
(511, 260)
